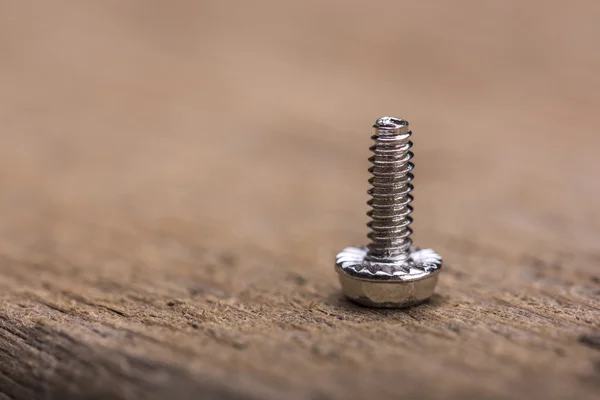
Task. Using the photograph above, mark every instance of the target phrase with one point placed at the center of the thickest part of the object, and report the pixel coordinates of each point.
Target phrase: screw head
(397, 285)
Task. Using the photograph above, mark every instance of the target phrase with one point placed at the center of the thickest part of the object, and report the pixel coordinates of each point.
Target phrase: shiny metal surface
(389, 272)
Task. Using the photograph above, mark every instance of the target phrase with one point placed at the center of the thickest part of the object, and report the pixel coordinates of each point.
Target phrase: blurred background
(264, 109)
(245, 125)
(249, 102)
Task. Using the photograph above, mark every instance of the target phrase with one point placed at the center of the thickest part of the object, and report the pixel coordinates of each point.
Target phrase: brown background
(177, 177)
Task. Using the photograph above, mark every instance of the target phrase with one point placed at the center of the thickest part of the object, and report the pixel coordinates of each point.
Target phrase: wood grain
(175, 181)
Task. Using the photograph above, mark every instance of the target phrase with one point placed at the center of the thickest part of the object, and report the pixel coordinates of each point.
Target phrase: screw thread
(390, 192)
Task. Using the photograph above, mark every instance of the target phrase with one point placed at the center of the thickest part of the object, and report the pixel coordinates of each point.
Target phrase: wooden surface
(175, 181)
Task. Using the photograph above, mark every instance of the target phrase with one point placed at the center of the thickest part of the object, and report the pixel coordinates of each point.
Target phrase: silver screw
(389, 272)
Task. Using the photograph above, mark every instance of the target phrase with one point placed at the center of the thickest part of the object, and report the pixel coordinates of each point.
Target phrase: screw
(389, 272)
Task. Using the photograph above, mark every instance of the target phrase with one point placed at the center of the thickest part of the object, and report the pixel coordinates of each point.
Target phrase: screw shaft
(390, 192)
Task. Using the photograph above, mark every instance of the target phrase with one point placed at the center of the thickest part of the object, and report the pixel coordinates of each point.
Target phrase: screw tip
(391, 125)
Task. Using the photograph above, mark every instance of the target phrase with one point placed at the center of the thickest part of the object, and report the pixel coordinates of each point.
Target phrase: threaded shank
(390, 192)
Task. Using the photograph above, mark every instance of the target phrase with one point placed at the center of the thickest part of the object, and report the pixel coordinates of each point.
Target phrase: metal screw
(389, 272)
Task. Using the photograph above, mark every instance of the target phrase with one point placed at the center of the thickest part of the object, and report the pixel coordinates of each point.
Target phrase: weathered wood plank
(176, 181)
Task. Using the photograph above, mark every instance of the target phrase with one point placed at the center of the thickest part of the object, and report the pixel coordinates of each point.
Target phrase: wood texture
(175, 181)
